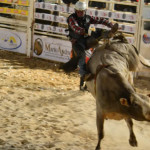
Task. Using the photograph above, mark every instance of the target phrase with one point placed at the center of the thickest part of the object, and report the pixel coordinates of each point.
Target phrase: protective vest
(82, 22)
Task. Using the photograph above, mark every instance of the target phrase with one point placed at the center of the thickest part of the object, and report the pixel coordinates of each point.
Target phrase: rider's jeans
(79, 48)
(82, 66)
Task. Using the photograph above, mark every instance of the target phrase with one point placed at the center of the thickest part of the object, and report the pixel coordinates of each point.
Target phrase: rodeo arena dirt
(41, 108)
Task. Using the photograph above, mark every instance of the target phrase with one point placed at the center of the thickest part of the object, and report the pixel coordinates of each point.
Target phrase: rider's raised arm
(100, 20)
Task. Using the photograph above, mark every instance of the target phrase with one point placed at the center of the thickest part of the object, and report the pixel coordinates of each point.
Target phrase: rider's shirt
(78, 26)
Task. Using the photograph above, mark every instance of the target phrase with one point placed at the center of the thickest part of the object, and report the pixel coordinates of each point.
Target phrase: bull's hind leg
(100, 126)
(132, 140)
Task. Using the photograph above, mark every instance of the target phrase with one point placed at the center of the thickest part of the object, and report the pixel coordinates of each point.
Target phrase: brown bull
(113, 88)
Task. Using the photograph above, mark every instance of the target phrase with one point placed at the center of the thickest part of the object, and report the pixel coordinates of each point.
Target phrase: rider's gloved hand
(90, 30)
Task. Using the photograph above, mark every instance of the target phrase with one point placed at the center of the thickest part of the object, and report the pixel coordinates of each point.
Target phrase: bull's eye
(135, 105)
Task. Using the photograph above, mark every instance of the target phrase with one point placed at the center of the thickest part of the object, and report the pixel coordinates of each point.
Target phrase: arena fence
(38, 28)
(15, 25)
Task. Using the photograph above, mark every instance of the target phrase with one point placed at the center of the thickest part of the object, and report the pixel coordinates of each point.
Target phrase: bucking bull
(112, 87)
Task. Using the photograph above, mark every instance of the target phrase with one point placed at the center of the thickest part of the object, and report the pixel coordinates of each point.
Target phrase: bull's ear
(124, 102)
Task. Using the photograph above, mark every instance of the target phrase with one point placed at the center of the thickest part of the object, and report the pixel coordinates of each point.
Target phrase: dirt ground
(41, 108)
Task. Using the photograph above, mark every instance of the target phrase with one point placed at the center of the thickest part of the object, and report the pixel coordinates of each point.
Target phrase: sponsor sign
(91, 12)
(39, 5)
(50, 17)
(130, 17)
(146, 38)
(38, 26)
(12, 40)
(49, 28)
(62, 19)
(128, 28)
(38, 15)
(145, 44)
(64, 8)
(51, 48)
(23, 2)
(130, 40)
(23, 12)
(71, 10)
(13, 11)
(117, 15)
(19, 2)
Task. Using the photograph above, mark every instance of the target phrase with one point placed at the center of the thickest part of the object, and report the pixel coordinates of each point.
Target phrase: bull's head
(138, 106)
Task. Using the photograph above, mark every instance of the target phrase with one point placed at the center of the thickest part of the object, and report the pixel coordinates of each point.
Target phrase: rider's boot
(81, 83)
(83, 86)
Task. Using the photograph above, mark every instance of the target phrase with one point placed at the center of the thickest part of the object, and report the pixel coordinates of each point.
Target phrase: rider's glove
(90, 30)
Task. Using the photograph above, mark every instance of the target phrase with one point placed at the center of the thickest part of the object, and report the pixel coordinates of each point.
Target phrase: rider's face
(80, 13)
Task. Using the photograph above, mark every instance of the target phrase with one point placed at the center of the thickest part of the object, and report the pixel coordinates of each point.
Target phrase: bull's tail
(144, 61)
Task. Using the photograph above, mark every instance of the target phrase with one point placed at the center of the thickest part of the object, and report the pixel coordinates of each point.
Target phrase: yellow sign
(19, 2)
(23, 2)
(6, 1)
(3, 1)
(8, 10)
(9, 1)
(13, 11)
(2, 9)
(23, 12)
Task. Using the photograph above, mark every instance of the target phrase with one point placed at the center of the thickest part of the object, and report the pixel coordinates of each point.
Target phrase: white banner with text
(12, 40)
(52, 48)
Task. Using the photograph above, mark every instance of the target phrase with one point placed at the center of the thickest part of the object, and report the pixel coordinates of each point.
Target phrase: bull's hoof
(97, 148)
(133, 142)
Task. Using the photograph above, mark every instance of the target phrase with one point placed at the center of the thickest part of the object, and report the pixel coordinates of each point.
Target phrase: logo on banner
(43, 16)
(123, 27)
(124, 16)
(146, 38)
(55, 7)
(9, 40)
(43, 5)
(38, 46)
(96, 13)
(110, 14)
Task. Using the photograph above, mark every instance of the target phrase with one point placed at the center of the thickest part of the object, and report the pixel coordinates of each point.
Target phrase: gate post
(29, 27)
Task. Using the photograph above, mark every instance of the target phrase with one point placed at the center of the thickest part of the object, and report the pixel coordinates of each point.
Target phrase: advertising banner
(145, 44)
(23, 2)
(51, 48)
(39, 5)
(19, 2)
(12, 41)
(50, 28)
(13, 11)
(131, 40)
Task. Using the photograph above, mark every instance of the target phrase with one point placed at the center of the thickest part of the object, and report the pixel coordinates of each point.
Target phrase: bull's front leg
(132, 139)
(100, 129)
